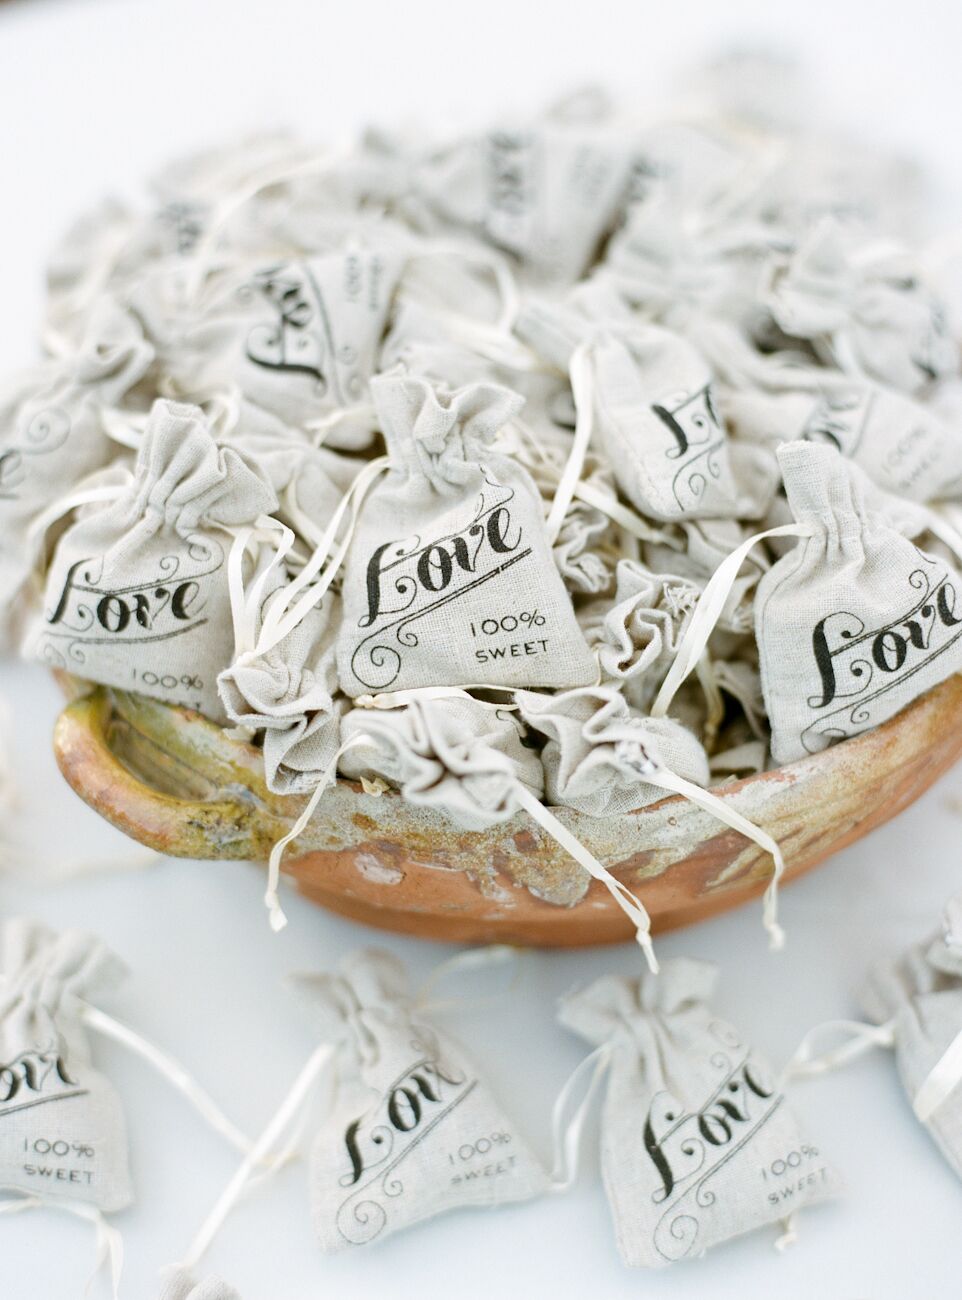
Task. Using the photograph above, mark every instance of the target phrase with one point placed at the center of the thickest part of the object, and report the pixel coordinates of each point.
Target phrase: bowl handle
(176, 826)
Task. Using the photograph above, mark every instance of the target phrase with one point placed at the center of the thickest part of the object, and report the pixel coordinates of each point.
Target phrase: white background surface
(92, 95)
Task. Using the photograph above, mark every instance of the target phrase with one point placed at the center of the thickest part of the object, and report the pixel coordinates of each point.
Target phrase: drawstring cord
(566, 1137)
(582, 388)
(109, 1242)
(860, 1038)
(708, 611)
(271, 896)
(259, 1153)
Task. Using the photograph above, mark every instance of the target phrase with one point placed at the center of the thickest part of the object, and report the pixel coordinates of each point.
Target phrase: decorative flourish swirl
(361, 1221)
(47, 431)
(693, 480)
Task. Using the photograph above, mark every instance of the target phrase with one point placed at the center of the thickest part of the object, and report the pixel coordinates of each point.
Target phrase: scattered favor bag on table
(697, 1139)
(408, 1129)
(180, 1285)
(920, 997)
(407, 1107)
(450, 579)
(137, 596)
(62, 1134)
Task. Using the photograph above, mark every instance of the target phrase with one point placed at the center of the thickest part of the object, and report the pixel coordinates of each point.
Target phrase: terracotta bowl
(174, 781)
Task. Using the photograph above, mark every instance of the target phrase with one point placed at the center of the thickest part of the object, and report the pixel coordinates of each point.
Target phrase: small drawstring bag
(310, 481)
(52, 433)
(459, 755)
(698, 1144)
(855, 621)
(288, 692)
(450, 579)
(863, 306)
(181, 1285)
(636, 635)
(588, 762)
(903, 445)
(296, 340)
(708, 543)
(412, 1130)
(62, 1130)
(137, 594)
(658, 425)
(852, 624)
(546, 193)
(919, 997)
(605, 759)
(474, 761)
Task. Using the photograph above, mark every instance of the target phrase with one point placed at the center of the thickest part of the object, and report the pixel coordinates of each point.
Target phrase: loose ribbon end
(278, 920)
(776, 936)
(643, 939)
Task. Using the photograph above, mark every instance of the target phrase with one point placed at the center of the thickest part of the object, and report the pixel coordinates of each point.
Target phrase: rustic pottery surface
(178, 783)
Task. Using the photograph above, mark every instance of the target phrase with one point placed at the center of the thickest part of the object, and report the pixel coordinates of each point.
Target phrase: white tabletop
(93, 95)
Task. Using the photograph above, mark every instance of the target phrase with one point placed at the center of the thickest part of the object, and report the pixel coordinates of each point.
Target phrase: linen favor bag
(460, 755)
(287, 691)
(598, 749)
(137, 596)
(181, 1285)
(903, 445)
(296, 340)
(637, 634)
(62, 1130)
(855, 621)
(546, 193)
(920, 995)
(659, 426)
(53, 434)
(450, 579)
(412, 1130)
(864, 306)
(698, 1144)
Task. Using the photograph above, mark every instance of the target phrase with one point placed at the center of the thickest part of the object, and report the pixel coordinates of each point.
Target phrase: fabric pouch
(855, 621)
(137, 595)
(297, 340)
(636, 635)
(599, 747)
(920, 995)
(450, 579)
(62, 1129)
(658, 425)
(698, 1144)
(457, 754)
(546, 193)
(904, 446)
(288, 692)
(864, 308)
(182, 1286)
(412, 1130)
(52, 433)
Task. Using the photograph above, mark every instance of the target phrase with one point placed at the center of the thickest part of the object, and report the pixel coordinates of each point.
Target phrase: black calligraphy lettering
(889, 650)
(499, 523)
(434, 573)
(945, 603)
